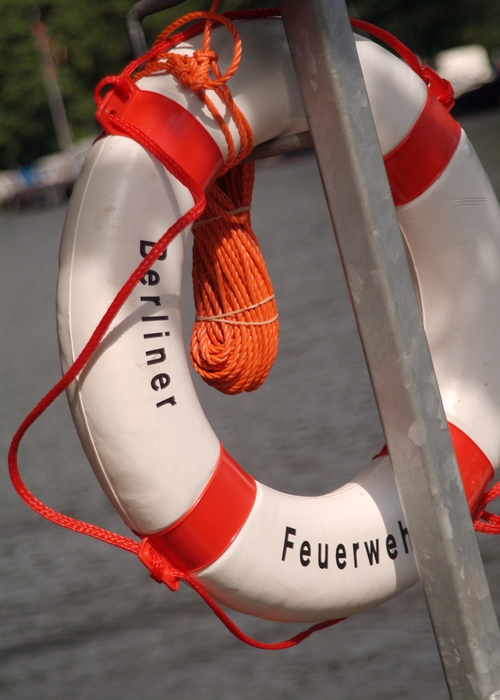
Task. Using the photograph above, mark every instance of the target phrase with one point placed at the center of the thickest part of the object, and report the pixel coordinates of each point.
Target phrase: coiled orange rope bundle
(235, 336)
(234, 341)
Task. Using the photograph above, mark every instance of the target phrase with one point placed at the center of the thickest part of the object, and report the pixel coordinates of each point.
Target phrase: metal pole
(395, 345)
(142, 9)
(56, 104)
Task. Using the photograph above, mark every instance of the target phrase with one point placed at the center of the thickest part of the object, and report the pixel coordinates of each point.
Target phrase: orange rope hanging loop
(234, 341)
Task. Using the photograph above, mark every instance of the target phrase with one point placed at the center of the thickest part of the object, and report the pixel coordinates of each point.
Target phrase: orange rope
(235, 336)
(234, 341)
(194, 71)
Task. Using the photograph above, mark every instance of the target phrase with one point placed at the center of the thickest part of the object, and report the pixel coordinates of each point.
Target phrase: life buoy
(154, 453)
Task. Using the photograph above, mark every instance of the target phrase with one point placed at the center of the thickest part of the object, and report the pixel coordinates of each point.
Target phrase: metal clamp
(142, 9)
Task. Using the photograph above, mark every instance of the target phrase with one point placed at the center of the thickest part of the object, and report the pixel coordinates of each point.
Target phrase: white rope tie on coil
(222, 318)
(216, 218)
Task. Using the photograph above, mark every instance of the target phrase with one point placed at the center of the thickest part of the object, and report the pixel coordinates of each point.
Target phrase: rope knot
(157, 565)
(200, 73)
(193, 71)
(205, 58)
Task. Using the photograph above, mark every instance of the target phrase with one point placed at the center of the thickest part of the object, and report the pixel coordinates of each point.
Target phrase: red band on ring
(171, 126)
(207, 529)
(475, 468)
(423, 155)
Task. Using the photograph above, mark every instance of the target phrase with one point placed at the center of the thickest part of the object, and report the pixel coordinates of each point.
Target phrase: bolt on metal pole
(395, 345)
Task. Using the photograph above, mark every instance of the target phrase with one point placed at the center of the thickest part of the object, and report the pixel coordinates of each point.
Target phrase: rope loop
(206, 58)
(120, 83)
(440, 88)
(206, 62)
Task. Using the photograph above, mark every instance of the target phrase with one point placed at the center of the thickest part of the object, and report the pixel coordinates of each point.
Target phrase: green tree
(429, 26)
(24, 112)
(89, 41)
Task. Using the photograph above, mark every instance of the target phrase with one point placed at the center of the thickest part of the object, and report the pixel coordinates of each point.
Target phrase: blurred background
(80, 619)
(88, 41)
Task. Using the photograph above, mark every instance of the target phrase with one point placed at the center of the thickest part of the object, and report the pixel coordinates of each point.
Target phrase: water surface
(81, 619)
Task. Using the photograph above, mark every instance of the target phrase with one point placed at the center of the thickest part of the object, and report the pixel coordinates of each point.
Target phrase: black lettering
(305, 553)
(323, 564)
(404, 535)
(151, 277)
(372, 551)
(155, 300)
(155, 318)
(171, 400)
(355, 547)
(341, 555)
(160, 352)
(287, 544)
(149, 244)
(152, 335)
(391, 545)
(160, 381)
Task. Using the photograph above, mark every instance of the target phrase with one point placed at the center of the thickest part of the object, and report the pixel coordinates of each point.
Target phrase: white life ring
(259, 551)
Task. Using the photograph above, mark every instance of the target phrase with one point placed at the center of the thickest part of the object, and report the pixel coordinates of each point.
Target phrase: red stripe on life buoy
(207, 529)
(169, 125)
(475, 467)
(423, 154)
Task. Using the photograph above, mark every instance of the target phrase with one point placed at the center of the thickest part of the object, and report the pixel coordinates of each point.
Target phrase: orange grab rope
(128, 544)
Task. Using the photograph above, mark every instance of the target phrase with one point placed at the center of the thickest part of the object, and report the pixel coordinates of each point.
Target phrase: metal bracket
(281, 145)
(142, 9)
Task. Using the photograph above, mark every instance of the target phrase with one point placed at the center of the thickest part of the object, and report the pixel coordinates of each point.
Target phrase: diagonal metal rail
(137, 13)
(395, 345)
